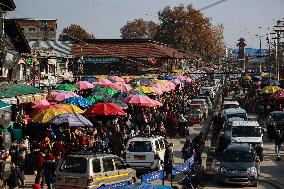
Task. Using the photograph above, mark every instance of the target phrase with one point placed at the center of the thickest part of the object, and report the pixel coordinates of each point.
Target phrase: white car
(141, 151)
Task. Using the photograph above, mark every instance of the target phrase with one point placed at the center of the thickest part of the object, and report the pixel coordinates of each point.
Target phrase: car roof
(150, 138)
(239, 147)
(231, 102)
(234, 110)
(245, 123)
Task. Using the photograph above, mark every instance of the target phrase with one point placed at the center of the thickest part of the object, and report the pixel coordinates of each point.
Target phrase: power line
(212, 5)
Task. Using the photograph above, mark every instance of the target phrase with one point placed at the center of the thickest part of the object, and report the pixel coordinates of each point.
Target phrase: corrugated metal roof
(57, 48)
(128, 48)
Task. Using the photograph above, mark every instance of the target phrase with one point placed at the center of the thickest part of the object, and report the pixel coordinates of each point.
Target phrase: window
(96, 166)
(119, 164)
(157, 145)
(140, 146)
(108, 164)
(73, 165)
(238, 156)
(162, 144)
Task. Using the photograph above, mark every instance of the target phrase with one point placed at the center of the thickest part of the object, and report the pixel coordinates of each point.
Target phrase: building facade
(38, 29)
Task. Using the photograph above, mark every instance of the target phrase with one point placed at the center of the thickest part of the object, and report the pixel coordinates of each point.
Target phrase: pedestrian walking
(15, 178)
(278, 141)
(168, 160)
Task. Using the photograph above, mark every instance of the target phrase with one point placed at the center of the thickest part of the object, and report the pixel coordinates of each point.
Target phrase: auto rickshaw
(195, 114)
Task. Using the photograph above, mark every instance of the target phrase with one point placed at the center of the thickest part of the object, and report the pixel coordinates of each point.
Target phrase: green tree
(75, 33)
(138, 29)
(187, 29)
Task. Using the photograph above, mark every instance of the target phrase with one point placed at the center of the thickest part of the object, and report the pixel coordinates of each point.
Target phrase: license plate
(72, 180)
(139, 157)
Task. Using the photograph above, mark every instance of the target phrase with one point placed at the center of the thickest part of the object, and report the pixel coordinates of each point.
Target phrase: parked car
(204, 105)
(208, 101)
(92, 171)
(207, 90)
(239, 165)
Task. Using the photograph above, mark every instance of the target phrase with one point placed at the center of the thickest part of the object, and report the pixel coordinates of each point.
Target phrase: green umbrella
(67, 87)
(94, 99)
(109, 91)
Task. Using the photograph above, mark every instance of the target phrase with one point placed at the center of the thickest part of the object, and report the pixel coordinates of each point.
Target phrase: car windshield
(278, 117)
(73, 165)
(240, 115)
(246, 131)
(227, 106)
(140, 146)
(237, 156)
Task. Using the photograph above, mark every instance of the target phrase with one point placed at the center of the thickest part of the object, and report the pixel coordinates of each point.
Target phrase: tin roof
(129, 48)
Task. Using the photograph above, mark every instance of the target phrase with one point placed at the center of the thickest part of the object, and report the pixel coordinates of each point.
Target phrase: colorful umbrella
(78, 101)
(104, 109)
(270, 89)
(94, 98)
(46, 115)
(59, 96)
(108, 91)
(103, 81)
(43, 108)
(72, 109)
(140, 100)
(40, 103)
(116, 78)
(90, 79)
(114, 86)
(157, 90)
(67, 87)
(144, 89)
(83, 85)
(116, 101)
(73, 120)
(126, 87)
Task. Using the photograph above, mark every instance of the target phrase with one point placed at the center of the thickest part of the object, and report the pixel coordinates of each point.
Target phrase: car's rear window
(237, 156)
(140, 146)
(73, 165)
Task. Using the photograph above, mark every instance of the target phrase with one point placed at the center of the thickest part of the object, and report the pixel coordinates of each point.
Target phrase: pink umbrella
(114, 86)
(158, 103)
(140, 100)
(59, 96)
(116, 78)
(161, 87)
(157, 90)
(104, 81)
(125, 86)
(82, 85)
(176, 81)
(40, 103)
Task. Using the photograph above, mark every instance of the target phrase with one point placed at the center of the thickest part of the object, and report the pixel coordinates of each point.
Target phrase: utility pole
(279, 29)
(2, 45)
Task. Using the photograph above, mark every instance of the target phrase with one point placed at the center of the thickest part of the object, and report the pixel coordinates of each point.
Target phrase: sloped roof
(128, 48)
(16, 36)
(52, 48)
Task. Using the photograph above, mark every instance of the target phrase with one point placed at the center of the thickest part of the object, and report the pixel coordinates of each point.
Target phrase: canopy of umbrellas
(72, 103)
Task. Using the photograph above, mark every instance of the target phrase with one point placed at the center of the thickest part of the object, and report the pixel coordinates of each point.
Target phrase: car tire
(254, 184)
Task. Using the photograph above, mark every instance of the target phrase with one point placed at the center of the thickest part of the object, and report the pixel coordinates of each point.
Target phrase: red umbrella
(82, 85)
(104, 109)
(40, 103)
(278, 95)
(40, 109)
(140, 100)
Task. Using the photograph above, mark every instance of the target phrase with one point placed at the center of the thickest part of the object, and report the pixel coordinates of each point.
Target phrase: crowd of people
(44, 144)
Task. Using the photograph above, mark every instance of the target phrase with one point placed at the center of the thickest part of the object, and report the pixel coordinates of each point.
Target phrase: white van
(140, 152)
(233, 114)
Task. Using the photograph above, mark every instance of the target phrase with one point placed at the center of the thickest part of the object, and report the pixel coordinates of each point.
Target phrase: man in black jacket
(278, 141)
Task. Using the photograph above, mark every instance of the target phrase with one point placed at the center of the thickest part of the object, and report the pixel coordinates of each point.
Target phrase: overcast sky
(104, 18)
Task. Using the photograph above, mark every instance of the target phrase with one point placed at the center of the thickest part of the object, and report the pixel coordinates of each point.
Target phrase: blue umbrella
(89, 79)
(78, 101)
(71, 119)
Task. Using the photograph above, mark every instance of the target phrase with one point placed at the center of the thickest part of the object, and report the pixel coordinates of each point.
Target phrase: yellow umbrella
(145, 90)
(164, 83)
(46, 115)
(72, 109)
(264, 74)
(247, 77)
(270, 89)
